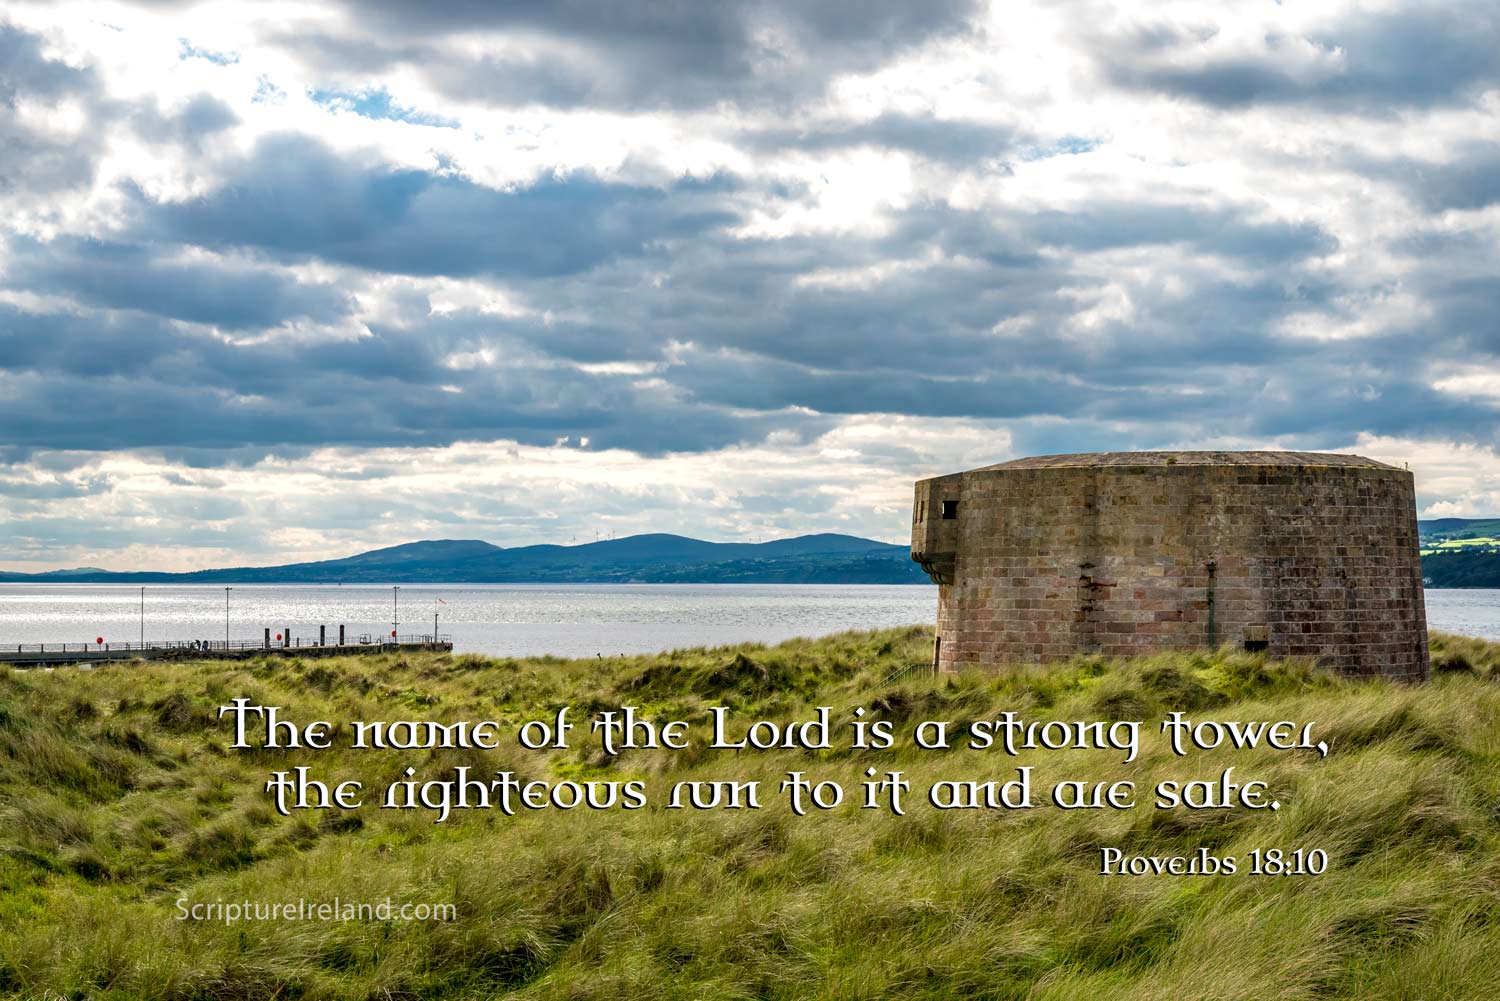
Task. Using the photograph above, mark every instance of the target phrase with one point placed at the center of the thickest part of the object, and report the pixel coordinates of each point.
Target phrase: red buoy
(393, 635)
(278, 636)
(99, 640)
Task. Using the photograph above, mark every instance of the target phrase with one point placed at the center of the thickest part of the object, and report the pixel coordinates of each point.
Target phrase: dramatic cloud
(1373, 60)
(33, 159)
(295, 201)
(289, 282)
(131, 277)
(644, 55)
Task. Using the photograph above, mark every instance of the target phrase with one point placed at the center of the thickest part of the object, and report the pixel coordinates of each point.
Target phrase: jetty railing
(127, 647)
(364, 639)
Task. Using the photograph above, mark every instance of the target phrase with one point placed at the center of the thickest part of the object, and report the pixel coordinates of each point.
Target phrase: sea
(575, 620)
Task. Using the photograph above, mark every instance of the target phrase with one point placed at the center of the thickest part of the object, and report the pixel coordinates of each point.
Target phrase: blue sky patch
(377, 104)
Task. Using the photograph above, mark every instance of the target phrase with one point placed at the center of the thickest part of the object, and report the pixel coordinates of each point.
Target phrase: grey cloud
(1466, 314)
(600, 53)
(147, 386)
(1335, 397)
(657, 55)
(748, 297)
(133, 277)
(764, 384)
(1187, 363)
(202, 116)
(295, 200)
(205, 482)
(768, 347)
(42, 534)
(1050, 436)
(1218, 329)
(49, 490)
(745, 296)
(1467, 178)
(354, 55)
(33, 161)
(972, 314)
(951, 141)
(37, 165)
(1423, 55)
(104, 346)
(25, 71)
(1107, 226)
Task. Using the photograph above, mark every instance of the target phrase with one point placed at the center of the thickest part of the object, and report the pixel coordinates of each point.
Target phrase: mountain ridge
(656, 557)
(662, 558)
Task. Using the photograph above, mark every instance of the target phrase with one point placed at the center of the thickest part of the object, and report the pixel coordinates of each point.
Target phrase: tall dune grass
(118, 797)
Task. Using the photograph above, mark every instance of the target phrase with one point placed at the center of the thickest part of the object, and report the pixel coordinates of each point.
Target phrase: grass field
(1460, 535)
(1483, 542)
(118, 798)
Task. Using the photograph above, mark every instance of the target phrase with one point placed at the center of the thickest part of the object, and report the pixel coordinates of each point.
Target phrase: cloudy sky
(284, 281)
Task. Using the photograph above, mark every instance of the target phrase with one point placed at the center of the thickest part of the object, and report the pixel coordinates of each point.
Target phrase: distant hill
(647, 559)
(1460, 552)
(1461, 569)
(1441, 529)
(1457, 552)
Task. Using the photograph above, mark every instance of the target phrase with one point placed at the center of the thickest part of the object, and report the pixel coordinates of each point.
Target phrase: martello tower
(1124, 553)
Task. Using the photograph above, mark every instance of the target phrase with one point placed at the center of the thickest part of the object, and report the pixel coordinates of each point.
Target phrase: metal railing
(902, 673)
(128, 647)
(365, 639)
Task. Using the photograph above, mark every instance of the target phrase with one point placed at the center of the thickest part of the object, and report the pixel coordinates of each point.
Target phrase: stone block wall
(1298, 554)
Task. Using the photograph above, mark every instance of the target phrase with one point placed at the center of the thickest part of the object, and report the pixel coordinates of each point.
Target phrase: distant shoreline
(825, 558)
(466, 583)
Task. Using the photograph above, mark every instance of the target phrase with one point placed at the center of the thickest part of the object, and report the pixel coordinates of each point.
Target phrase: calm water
(515, 619)
(578, 620)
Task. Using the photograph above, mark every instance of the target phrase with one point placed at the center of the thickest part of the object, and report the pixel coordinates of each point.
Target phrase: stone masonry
(1294, 553)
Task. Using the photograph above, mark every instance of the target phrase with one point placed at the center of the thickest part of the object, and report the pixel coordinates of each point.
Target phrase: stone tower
(1124, 553)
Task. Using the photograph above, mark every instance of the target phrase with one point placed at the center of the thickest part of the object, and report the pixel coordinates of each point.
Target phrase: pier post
(341, 634)
(322, 635)
(268, 637)
(286, 638)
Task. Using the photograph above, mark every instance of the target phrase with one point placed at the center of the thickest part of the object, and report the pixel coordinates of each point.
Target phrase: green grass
(118, 797)
(1478, 543)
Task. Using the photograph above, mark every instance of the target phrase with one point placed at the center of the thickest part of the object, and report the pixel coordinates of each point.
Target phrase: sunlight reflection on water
(578, 620)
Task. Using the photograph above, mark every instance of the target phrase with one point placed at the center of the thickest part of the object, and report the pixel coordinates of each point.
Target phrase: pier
(56, 654)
